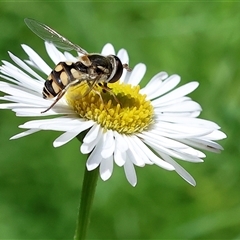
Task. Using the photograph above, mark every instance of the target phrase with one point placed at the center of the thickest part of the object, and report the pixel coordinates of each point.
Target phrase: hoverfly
(93, 68)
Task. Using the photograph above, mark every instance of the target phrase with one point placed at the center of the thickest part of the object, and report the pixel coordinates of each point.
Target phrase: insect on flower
(93, 68)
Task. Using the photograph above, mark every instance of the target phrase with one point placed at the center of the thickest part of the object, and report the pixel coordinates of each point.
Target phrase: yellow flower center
(121, 108)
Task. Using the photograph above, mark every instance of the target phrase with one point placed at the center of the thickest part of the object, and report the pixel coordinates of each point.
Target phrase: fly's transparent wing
(50, 35)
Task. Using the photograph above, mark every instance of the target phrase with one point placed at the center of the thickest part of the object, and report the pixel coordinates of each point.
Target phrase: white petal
(137, 143)
(32, 64)
(180, 170)
(68, 136)
(136, 75)
(17, 91)
(38, 61)
(109, 144)
(108, 49)
(181, 130)
(106, 168)
(24, 134)
(119, 157)
(204, 144)
(172, 146)
(216, 135)
(37, 111)
(130, 173)
(120, 144)
(25, 67)
(134, 158)
(187, 153)
(132, 154)
(154, 84)
(59, 124)
(187, 106)
(92, 134)
(177, 93)
(95, 158)
(65, 138)
(168, 84)
(189, 121)
(8, 78)
(123, 56)
(23, 79)
(155, 159)
(70, 57)
(88, 147)
(31, 100)
(153, 136)
(10, 105)
(54, 53)
(120, 149)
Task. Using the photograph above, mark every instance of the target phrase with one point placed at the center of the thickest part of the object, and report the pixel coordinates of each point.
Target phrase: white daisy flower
(157, 124)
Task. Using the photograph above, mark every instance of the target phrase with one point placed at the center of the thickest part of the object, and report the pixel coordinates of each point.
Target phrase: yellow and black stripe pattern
(63, 74)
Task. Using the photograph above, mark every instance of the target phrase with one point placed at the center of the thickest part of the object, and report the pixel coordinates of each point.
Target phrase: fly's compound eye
(117, 68)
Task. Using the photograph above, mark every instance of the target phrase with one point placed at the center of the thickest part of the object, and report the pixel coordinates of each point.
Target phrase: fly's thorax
(105, 68)
(97, 67)
(100, 62)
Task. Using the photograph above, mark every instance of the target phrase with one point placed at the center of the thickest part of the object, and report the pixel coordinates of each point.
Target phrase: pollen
(121, 108)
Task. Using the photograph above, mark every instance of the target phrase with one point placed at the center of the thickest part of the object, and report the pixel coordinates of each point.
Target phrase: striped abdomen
(63, 74)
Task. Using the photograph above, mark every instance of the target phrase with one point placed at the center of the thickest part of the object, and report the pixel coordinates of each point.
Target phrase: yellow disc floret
(121, 108)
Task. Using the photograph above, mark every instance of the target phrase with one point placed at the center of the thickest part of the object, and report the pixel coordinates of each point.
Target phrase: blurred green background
(40, 185)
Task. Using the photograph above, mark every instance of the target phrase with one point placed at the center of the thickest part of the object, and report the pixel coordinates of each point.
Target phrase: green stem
(88, 190)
